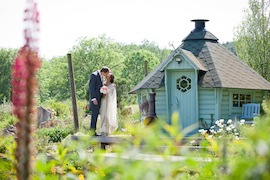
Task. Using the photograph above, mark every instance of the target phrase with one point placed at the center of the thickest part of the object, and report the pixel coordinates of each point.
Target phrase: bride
(108, 108)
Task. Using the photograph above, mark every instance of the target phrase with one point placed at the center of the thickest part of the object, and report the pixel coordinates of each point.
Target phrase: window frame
(238, 99)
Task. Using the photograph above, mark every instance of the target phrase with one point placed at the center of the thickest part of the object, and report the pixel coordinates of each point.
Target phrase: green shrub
(61, 109)
(6, 117)
(5, 141)
(55, 134)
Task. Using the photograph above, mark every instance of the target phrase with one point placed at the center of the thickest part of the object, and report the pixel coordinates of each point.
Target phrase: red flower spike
(24, 88)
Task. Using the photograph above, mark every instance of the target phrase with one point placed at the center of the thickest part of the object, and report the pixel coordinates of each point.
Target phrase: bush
(61, 109)
(6, 117)
(5, 141)
(55, 134)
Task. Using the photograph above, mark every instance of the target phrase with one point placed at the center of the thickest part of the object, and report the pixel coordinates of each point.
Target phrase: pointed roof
(155, 79)
(223, 68)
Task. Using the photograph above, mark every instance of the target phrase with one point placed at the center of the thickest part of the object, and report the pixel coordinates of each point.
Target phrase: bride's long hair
(111, 78)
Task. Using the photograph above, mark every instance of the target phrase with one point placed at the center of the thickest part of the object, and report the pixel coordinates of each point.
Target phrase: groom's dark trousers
(94, 89)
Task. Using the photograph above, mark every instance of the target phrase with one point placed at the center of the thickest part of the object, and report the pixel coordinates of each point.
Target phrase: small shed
(201, 80)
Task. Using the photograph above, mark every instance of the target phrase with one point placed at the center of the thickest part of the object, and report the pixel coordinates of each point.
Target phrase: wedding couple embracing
(103, 102)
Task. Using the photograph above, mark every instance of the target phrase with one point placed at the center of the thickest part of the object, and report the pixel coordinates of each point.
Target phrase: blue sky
(62, 22)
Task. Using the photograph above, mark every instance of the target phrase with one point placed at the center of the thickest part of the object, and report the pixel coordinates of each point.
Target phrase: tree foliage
(252, 37)
(89, 55)
(6, 61)
(126, 62)
(54, 79)
(135, 61)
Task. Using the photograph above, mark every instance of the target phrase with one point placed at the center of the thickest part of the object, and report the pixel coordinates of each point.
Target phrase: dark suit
(94, 90)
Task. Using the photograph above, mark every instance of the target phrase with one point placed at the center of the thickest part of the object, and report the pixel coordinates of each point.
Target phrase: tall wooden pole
(145, 68)
(73, 93)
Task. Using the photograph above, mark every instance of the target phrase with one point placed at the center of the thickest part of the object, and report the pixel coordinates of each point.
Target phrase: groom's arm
(92, 87)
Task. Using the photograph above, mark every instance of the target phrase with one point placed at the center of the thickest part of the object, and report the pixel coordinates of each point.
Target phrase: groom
(96, 82)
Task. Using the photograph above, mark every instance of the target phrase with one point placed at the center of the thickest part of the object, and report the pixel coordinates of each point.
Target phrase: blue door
(182, 97)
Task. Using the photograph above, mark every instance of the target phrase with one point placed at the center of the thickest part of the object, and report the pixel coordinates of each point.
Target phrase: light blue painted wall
(209, 102)
(183, 65)
(206, 103)
(225, 101)
(161, 104)
(219, 102)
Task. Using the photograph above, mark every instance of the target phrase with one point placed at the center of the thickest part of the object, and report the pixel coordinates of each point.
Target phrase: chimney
(199, 24)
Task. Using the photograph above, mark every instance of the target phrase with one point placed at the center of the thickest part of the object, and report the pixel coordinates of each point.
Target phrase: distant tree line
(88, 55)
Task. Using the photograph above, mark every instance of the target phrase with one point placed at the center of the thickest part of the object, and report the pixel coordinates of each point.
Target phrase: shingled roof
(223, 68)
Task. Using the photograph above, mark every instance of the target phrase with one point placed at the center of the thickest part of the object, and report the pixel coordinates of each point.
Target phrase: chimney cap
(199, 20)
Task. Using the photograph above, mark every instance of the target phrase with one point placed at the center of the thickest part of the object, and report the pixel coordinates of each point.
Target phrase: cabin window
(240, 99)
(183, 84)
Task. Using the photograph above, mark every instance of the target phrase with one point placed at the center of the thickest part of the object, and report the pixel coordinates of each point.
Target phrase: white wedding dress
(108, 112)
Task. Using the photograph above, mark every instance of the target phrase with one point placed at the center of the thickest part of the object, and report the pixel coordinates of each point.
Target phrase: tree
(89, 55)
(161, 54)
(135, 63)
(6, 61)
(230, 46)
(54, 79)
(252, 37)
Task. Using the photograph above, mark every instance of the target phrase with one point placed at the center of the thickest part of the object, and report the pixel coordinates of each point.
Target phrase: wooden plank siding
(259, 96)
(161, 104)
(206, 103)
(225, 104)
(176, 66)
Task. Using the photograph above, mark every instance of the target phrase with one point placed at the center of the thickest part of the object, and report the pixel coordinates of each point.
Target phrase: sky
(62, 22)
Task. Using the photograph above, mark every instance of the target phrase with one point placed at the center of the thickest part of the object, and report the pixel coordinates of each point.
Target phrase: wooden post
(73, 93)
(152, 105)
(145, 68)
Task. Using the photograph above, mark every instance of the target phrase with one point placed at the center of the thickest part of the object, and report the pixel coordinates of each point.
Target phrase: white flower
(229, 121)
(232, 126)
(104, 90)
(242, 121)
(237, 137)
(212, 127)
(193, 143)
(262, 148)
(200, 130)
(236, 134)
(220, 130)
(221, 120)
(228, 128)
(221, 125)
(204, 132)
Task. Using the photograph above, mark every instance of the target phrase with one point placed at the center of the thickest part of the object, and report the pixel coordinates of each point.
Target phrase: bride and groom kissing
(103, 102)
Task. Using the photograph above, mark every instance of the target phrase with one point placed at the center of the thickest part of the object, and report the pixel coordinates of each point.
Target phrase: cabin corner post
(152, 110)
(152, 105)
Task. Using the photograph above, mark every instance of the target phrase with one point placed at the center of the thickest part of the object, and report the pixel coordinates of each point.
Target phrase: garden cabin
(201, 80)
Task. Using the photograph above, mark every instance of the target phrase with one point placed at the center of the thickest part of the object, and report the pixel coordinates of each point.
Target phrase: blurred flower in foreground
(24, 89)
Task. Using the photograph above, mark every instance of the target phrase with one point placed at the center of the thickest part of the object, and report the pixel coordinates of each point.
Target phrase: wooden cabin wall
(225, 105)
(257, 97)
(161, 104)
(206, 103)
